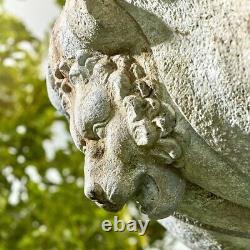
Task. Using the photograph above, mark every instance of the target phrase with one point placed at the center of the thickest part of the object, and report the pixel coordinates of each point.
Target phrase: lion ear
(141, 128)
(144, 133)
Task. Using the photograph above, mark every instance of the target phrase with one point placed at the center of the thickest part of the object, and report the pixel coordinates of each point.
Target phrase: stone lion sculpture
(157, 97)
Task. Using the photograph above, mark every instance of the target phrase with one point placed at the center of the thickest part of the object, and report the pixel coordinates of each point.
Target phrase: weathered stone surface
(157, 96)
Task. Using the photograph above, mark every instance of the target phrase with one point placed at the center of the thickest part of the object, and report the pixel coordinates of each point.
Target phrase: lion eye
(99, 129)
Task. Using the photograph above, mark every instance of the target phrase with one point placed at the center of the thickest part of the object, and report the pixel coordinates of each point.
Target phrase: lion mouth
(159, 193)
(147, 194)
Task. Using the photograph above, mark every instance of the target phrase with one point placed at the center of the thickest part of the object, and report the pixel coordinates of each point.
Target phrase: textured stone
(157, 96)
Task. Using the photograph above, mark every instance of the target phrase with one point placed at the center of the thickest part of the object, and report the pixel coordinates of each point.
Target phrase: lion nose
(96, 193)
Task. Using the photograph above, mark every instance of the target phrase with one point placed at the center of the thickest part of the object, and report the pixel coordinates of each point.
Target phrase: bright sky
(37, 15)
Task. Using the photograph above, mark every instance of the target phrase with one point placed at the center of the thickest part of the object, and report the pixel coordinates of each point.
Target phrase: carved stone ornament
(157, 97)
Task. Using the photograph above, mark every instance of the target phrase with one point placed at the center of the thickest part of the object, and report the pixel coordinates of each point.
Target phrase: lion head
(118, 118)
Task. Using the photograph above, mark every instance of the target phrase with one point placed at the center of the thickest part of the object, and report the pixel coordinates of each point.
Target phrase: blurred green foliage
(60, 2)
(37, 212)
